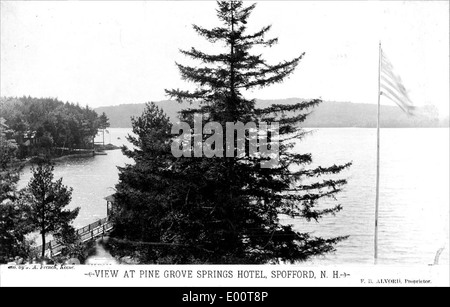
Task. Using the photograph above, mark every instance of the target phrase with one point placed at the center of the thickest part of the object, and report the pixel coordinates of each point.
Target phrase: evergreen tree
(9, 170)
(13, 216)
(226, 209)
(103, 121)
(13, 230)
(103, 124)
(47, 199)
(72, 243)
(143, 214)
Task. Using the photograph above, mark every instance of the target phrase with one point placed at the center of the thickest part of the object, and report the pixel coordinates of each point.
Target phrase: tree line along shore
(49, 127)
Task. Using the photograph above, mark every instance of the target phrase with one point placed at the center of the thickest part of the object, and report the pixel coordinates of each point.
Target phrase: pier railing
(89, 232)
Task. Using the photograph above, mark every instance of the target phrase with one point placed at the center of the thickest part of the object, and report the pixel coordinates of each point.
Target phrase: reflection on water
(414, 193)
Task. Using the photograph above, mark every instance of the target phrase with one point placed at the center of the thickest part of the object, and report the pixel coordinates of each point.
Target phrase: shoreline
(82, 154)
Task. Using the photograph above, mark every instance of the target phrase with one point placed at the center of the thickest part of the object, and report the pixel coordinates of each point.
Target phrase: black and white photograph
(224, 144)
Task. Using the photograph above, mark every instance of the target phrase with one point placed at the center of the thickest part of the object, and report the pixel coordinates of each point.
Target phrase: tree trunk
(43, 244)
(232, 72)
(43, 225)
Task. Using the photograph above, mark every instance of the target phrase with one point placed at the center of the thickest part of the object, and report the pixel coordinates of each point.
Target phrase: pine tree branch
(215, 78)
(282, 108)
(187, 96)
(331, 184)
(319, 171)
(213, 35)
(206, 58)
(277, 73)
(274, 69)
(257, 35)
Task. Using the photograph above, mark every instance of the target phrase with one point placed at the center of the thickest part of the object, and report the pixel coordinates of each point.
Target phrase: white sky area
(114, 52)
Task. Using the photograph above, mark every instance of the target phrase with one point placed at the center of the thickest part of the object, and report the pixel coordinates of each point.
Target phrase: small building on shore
(109, 204)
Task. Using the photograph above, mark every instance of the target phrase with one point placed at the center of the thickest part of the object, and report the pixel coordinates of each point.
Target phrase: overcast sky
(107, 53)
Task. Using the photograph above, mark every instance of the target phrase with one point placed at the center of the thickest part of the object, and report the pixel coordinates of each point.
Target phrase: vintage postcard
(224, 144)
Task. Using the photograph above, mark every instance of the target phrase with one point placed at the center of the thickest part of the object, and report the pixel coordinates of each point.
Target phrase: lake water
(414, 191)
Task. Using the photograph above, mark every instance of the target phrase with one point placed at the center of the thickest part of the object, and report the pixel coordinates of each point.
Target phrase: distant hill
(120, 115)
(327, 114)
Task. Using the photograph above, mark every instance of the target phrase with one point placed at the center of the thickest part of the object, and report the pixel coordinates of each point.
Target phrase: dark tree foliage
(47, 200)
(103, 124)
(13, 230)
(224, 209)
(9, 169)
(103, 121)
(143, 214)
(73, 245)
(47, 126)
(13, 217)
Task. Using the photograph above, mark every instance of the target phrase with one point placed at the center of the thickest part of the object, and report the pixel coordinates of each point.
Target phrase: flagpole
(378, 159)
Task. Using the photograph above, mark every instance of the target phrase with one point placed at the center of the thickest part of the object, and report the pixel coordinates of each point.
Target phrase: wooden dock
(87, 233)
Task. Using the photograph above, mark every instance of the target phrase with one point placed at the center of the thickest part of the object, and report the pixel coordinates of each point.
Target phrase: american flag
(392, 87)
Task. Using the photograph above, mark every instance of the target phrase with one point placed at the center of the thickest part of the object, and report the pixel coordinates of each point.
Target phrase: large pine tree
(225, 209)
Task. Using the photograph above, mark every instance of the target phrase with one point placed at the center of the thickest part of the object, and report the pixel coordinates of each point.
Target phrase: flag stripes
(392, 87)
